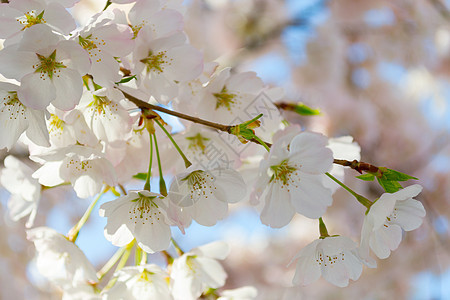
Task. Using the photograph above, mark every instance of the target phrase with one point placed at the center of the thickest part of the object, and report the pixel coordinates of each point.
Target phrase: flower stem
(186, 161)
(111, 262)
(177, 247)
(361, 199)
(162, 183)
(73, 233)
(149, 173)
(121, 264)
(262, 143)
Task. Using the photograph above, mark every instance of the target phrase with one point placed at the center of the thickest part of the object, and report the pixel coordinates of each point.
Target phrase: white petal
(385, 239)
(210, 272)
(36, 91)
(311, 198)
(217, 250)
(278, 210)
(409, 214)
(68, 88)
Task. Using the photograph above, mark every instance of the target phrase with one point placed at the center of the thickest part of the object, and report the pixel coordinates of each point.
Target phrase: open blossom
(204, 194)
(197, 270)
(333, 257)
(18, 16)
(162, 62)
(104, 40)
(140, 282)
(16, 118)
(25, 190)
(140, 215)
(85, 168)
(60, 260)
(48, 68)
(383, 224)
(236, 98)
(105, 115)
(291, 180)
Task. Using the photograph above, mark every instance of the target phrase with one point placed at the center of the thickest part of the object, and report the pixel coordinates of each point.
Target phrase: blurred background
(378, 71)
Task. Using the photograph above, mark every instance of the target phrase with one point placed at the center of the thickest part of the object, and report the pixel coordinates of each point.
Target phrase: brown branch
(225, 128)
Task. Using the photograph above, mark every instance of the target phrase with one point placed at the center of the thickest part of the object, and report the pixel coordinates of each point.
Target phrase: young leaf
(126, 79)
(305, 110)
(390, 186)
(141, 176)
(366, 177)
(397, 176)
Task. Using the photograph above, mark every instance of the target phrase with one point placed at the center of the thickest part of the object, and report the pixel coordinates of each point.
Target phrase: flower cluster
(88, 100)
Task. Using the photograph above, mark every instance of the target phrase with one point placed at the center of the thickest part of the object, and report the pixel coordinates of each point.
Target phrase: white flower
(18, 16)
(141, 215)
(204, 194)
(25, 190)
(60, 260)
(242, 293)
(195, 271)
(105, 116)
(236, 98)
(103, 41)
(383, 224)
(48, 68)
(85, 168)
(334, 258)
(291, 181)
(16, 118)
(140, 282)
(161, 63)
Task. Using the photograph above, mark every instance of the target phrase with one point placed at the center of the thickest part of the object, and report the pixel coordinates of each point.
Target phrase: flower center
(145, 210)
(30, 18)
(155, 62)
(329, 260)
(283, 173)
(55, 123)
(48, 66)
(100, 104)
(13, 107)
(225, 99)
(197, 142)
(199, 183)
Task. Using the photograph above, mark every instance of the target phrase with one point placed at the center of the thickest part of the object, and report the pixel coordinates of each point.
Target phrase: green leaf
(366, 177)
(126, 79)
(141, 176)
(390, 186)
(397, 176)
(305, 110)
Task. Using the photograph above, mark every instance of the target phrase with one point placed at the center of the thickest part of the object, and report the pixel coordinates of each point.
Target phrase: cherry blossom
(291, 181)
(48, 68)
(140, 215)
(18, 16)
(25, 190)
(383, 224)
(195, 271)
(204, 194)
(60, 260)
(105, 115)
(140, 282)
(104, 40)
(85, 168)
(16, 118)
(335, 258)
(162, 62)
